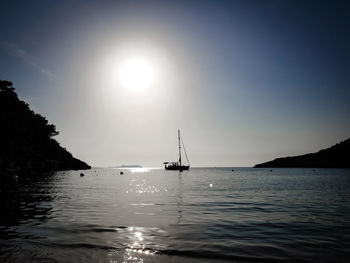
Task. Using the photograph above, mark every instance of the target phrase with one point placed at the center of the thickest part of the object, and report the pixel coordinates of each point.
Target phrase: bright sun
(136, 74)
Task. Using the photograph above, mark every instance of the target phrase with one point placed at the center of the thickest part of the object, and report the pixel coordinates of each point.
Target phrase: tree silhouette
(26, 138)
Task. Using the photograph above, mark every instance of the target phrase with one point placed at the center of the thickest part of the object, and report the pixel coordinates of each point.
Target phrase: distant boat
(178, 166)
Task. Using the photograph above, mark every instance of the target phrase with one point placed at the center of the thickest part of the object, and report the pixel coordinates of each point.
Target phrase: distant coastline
(127, 166)
(337, 156)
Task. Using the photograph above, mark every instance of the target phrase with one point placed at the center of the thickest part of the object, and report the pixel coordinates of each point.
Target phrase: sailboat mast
(178, 134)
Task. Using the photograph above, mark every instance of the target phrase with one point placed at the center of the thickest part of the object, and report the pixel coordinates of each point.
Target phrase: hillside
(26, 139)
(337, 156)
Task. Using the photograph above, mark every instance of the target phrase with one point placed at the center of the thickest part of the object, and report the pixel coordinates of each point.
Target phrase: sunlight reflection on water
(138, 245)
(143, 187)
(140, 170)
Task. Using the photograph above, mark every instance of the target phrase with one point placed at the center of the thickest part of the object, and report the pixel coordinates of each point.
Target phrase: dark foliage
(337, 156)
(26, 143)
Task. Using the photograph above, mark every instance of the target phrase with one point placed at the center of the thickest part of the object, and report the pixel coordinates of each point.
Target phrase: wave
(212, 256)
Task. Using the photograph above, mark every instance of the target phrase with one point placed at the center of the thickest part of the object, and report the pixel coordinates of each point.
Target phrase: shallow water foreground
(201, 215)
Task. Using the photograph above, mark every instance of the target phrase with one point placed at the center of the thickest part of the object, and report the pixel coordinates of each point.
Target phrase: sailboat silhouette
(178, 166)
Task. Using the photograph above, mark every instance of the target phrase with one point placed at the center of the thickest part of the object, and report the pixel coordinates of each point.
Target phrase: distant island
(127, 166)
(26, 139)
(337, 156)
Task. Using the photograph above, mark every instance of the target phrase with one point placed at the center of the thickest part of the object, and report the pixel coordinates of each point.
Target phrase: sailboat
(178, 166)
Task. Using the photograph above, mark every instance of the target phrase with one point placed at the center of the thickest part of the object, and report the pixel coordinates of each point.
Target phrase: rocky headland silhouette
(26, 139)
(337, 156)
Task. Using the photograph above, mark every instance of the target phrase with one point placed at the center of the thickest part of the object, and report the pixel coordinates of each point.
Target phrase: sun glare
(136, 74)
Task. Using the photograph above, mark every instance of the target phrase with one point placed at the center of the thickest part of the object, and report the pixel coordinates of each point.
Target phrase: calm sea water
(201, 215)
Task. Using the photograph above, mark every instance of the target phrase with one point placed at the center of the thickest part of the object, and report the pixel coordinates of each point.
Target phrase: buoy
(81, 174)
(121, 173)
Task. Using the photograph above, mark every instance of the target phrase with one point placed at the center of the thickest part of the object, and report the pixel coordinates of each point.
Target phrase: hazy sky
(245, 81)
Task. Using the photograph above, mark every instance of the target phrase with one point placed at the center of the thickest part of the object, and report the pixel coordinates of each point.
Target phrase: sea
(201, 215)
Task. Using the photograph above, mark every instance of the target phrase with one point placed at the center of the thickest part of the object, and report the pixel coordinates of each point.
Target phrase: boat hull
(177, 168)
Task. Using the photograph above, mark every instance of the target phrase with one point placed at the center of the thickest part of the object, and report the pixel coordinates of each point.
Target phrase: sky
(245, 81)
